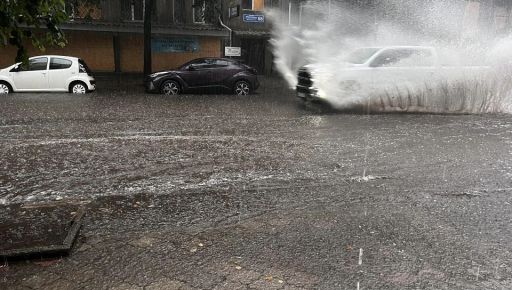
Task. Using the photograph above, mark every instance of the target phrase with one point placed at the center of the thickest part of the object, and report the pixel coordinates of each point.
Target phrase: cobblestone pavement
(228, 192)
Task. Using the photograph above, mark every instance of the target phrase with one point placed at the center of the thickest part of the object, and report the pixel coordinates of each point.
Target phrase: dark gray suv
(205, 73)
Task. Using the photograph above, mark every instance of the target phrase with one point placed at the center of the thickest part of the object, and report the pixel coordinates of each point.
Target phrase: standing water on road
(397, 55)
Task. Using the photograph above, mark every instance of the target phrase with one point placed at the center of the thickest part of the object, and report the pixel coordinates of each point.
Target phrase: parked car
(48, 73)
(372, 70)
(205, 73)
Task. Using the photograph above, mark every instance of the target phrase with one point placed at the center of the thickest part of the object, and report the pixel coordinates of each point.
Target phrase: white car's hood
(8, 69)
(339, 66)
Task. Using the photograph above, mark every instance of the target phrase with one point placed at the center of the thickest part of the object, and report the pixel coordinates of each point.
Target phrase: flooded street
(256, 192)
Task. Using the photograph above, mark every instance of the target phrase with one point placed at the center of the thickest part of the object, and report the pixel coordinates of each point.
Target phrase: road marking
(360, 256)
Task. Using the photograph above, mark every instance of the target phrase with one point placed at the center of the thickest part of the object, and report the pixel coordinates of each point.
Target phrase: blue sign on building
(254, 18)
(175, 44)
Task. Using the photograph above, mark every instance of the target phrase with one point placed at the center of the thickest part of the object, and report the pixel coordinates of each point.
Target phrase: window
(39, 63)
(83, 9)
(256, 5)
(361, 55)
(133, 10)
(60, 63)
(198, 10)
(221, 63)
(179, 11)
(404, 58)
(83, 68)
(203, 64)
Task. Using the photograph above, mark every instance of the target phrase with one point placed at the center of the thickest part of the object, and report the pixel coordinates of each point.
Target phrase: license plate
(301, 95)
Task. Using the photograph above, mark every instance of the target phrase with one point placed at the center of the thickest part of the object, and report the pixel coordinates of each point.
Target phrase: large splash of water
(472, 74)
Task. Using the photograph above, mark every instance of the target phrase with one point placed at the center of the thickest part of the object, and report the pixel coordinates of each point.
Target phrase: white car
(377, 70)
(48, 73)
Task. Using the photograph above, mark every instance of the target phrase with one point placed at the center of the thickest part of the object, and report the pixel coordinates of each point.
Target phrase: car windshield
(361, 55)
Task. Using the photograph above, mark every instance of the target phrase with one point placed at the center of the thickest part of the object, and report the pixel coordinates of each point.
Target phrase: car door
(35, 77)
(402, 71)
(59, 73)
(196, 74)
(221, 71)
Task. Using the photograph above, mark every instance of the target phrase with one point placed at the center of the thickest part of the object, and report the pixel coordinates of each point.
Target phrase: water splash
(474, 75)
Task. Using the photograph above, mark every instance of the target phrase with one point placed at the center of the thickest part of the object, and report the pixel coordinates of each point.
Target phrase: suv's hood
(160, 73)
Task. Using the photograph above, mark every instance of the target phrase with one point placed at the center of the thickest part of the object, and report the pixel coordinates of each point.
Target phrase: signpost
(232, 51)
(175, 44)
(254, 18)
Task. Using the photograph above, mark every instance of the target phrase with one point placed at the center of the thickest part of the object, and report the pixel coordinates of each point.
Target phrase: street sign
(232, 51)
(234, 11)
(254, 18)
(175, 44)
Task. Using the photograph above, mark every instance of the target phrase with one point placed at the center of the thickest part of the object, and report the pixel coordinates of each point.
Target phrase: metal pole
(300, 13)
(289, 12)
(148, 5)
(230, 31)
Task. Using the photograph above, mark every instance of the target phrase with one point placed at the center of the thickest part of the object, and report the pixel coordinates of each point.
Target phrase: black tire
(78, 88)
(170, 87)
(242, 88)
(5, 88)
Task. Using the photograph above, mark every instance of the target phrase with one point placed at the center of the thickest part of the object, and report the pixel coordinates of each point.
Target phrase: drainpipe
(230, 31)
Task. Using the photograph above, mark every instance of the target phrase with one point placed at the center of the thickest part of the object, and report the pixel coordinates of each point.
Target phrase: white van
(48, 73)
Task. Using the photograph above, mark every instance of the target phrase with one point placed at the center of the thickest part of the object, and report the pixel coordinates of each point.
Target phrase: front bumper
(150, 86)
(256, 84)
(307, 93)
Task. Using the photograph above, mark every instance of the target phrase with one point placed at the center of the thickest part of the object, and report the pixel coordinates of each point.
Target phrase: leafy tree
(73, 7)
(211, 8)
(18, 19)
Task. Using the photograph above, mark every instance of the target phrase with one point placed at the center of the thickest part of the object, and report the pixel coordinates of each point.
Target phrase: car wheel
(4, 89)
(242, 88)
(78, 88)
(170, 88)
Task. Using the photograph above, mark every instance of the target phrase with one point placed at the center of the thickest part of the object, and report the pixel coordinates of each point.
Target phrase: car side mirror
(191, 67)
(15, 69)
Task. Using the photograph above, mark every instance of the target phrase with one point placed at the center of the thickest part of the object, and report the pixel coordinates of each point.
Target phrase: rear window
(83, 68)
(60, 63)
(221, 63)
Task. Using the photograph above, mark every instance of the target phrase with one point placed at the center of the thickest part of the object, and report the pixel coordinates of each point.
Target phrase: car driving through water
(378, 70)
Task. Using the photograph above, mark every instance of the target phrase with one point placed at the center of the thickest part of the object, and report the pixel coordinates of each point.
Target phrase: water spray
(471, 72)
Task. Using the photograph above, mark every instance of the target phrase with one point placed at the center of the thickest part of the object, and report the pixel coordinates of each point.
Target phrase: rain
(389, 188)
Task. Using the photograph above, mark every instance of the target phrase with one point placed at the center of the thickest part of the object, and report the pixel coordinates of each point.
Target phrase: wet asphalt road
(226, 192)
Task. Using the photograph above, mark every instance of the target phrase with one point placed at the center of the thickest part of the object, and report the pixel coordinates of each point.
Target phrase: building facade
(109, 35)
(488, 18)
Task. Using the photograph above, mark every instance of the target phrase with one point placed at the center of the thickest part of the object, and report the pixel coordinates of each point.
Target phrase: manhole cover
(38, 230)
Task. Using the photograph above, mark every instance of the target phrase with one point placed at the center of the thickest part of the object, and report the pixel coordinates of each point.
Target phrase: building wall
(132, 53)
(94, 48)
